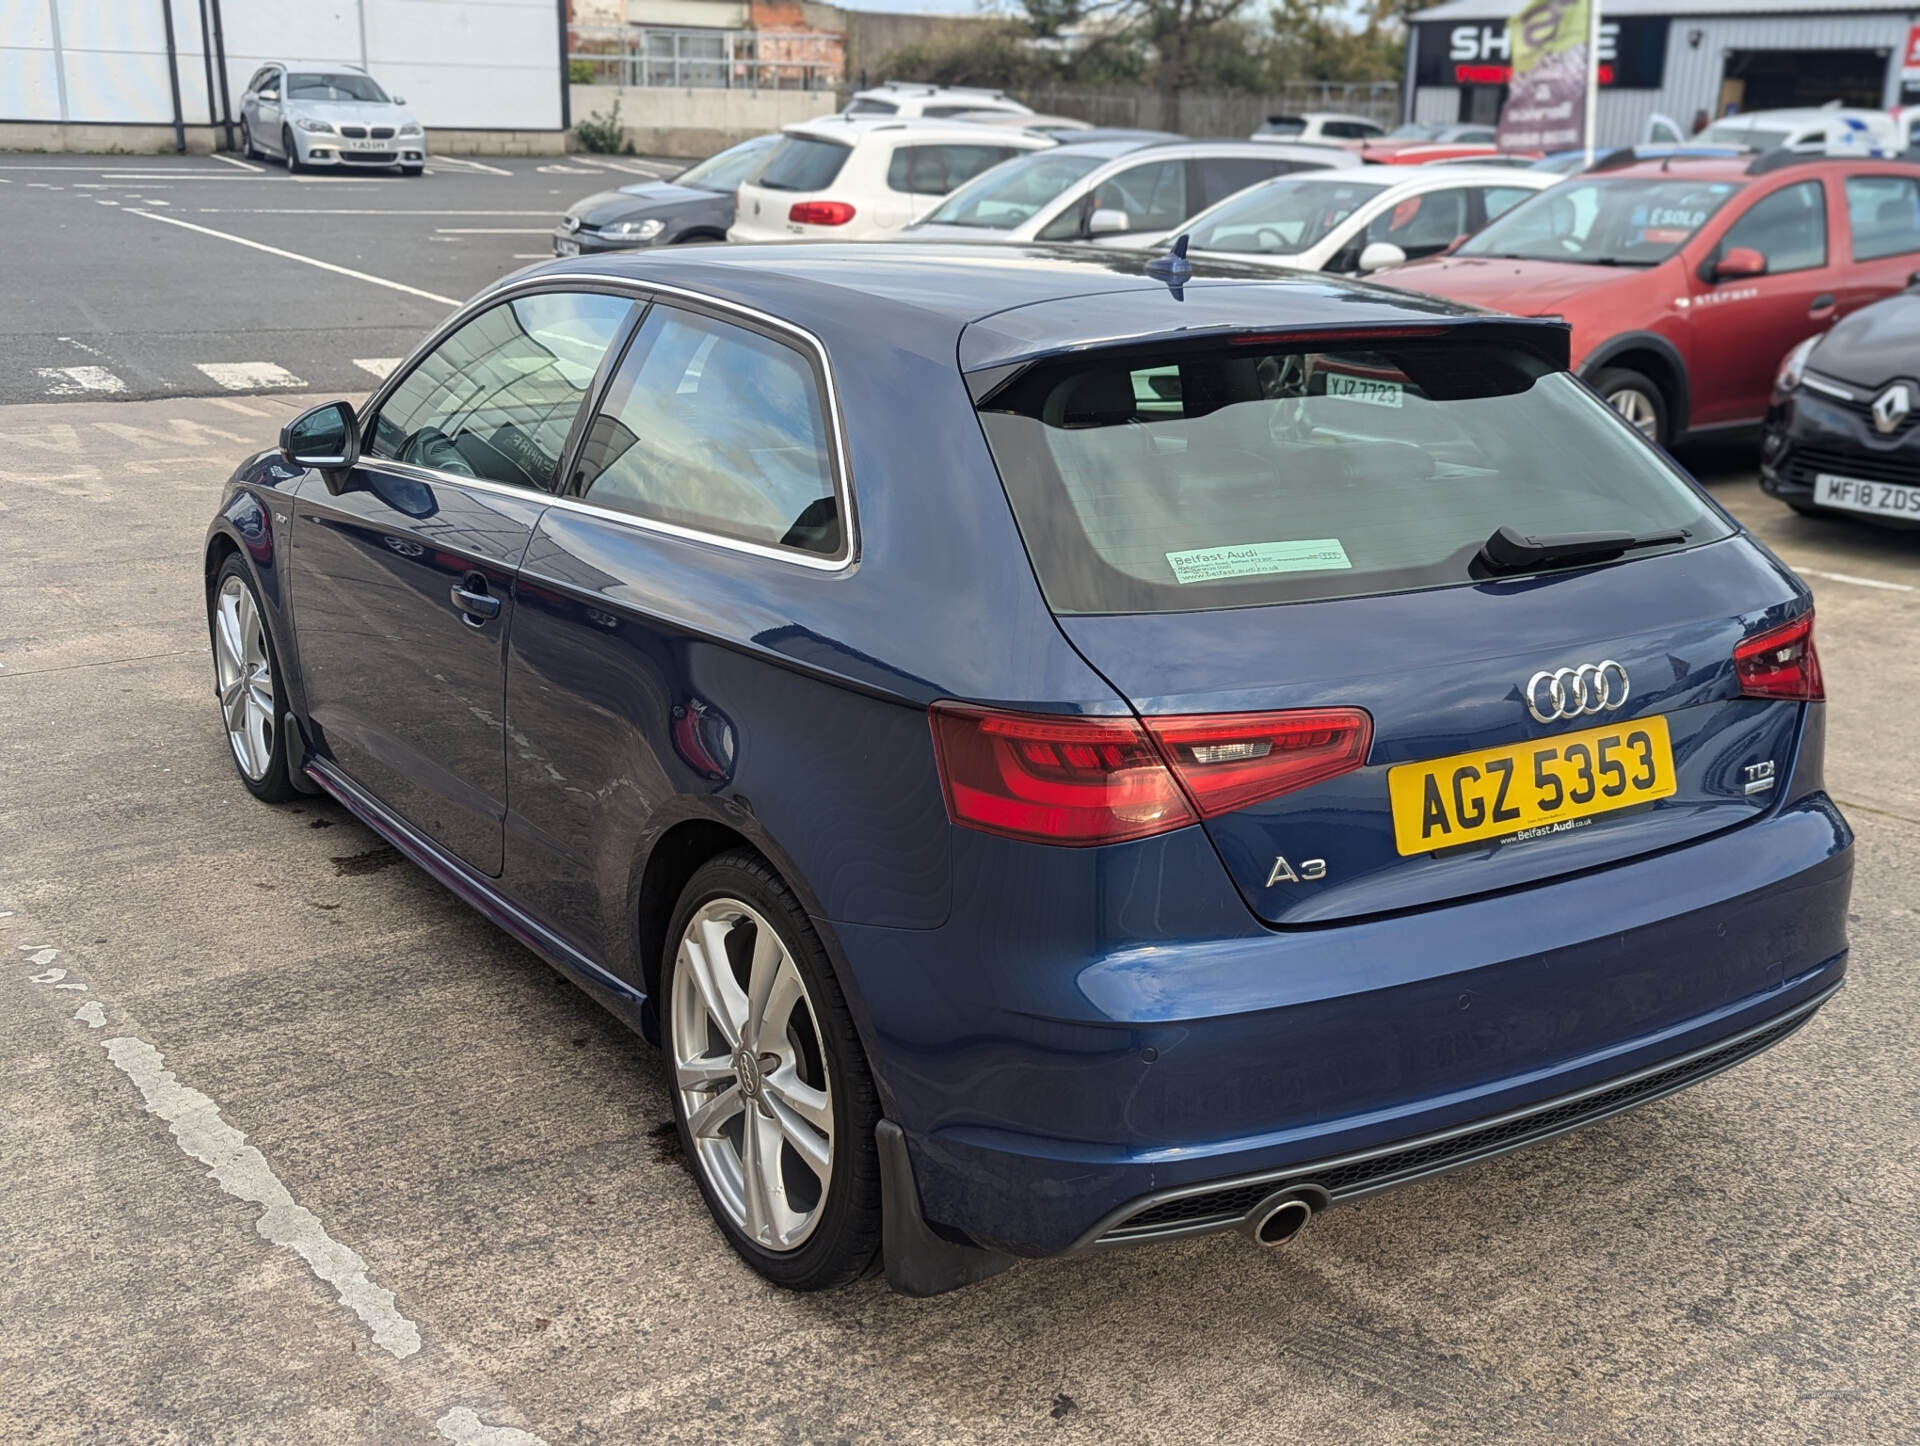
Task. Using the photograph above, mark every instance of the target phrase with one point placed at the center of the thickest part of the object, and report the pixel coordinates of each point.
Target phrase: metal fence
(1214, 114)
(706, 59)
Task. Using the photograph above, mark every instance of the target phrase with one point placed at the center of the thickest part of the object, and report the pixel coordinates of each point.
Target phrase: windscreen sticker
(1371, 390)
(1252, 559)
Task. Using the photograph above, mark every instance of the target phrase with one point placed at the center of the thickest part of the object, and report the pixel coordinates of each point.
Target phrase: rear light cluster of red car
(1781, 663)
(820, 213)
(1082, 781)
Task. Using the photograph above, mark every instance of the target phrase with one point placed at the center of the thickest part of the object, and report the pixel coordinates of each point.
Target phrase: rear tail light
(820, 213)
(1054, 779)
(1084, 781)
(1781, 663)
(1231, 760)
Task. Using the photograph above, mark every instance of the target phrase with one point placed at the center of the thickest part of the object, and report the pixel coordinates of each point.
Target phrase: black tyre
(246, 680)
(247, 147)
(412, 170)
(770, 1087)
(1636, 398)
(286, 144)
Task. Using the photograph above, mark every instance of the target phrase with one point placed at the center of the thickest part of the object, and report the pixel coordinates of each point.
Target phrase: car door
(706, 494)
(403, 565)
(1882, 244)
(1152, 195)
(1743, 326)
(265, 121)
(1424, 224)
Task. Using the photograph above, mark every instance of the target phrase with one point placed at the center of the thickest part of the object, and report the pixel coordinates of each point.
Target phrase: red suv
(1686, 280)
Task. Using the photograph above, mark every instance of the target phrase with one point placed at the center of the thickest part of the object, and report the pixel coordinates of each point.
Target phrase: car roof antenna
(1173, 268)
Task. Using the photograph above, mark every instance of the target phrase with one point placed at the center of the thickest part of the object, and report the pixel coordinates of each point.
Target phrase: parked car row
(1684, 271)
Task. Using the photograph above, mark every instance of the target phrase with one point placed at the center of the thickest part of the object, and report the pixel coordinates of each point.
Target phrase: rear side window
(1236, 476)
(496, 399)
(1789, 228)
(1218, 177)
(869, 106)
(1284, 125)
(714, 427)
(1350, 130)
(936, 170)
(803, 163)
(1883, 213)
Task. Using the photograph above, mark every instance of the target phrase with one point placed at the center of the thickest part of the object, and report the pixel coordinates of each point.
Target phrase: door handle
(475, 607)
(1822, 302)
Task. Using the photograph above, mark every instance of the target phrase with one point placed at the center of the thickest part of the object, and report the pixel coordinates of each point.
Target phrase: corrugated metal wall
(493, 65)
(1692, 80)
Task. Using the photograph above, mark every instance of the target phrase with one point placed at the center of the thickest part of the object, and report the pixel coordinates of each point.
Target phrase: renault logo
(1569, 692)
(1890, 409)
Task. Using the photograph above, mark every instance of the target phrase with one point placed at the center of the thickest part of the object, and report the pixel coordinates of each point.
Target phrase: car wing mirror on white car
(1379, 255)
(398, 99)
(1108, 221)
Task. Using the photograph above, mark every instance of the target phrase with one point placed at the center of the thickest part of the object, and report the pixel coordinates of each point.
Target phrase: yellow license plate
(1469, 797)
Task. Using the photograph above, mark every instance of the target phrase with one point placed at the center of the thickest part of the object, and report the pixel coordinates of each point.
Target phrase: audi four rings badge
(1569, 692)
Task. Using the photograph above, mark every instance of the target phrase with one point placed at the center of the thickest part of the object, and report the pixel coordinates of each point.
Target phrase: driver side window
(496, 399)
(1789, 228)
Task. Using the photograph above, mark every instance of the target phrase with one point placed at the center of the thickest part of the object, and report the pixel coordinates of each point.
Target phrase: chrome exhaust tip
(1275, 1222)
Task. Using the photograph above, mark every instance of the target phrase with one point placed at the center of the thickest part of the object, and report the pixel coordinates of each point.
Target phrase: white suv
(939, 101)
(852, 178)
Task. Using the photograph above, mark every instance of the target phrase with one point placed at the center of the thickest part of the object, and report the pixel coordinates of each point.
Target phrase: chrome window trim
(642, 292)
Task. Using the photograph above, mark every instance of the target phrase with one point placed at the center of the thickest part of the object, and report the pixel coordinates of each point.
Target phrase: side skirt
(631, 1006)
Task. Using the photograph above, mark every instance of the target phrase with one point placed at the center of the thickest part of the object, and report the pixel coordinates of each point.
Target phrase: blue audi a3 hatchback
(1057, 750)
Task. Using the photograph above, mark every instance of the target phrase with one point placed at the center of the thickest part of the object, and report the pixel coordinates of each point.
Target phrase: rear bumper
(1050, 1077)
(1227, 1204)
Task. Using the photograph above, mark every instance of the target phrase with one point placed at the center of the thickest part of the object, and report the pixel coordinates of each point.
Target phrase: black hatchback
(696, 205)
(1843, 430)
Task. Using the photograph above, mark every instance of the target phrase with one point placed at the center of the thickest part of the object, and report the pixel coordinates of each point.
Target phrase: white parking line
(236, 161)
(249, 376)
(378, 365)
(242, 1171)
(1858, 581)
(466, 164)
(492, 230)
(296, 256)
(353, 211)
(77, 381)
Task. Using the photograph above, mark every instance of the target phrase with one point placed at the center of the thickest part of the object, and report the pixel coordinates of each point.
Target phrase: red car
(1418, 153)
(1687, 280)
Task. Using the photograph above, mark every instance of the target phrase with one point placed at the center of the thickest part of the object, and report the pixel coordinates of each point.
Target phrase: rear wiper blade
(1508, 551)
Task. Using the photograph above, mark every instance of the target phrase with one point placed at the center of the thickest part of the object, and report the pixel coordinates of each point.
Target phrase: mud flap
(918, 1261)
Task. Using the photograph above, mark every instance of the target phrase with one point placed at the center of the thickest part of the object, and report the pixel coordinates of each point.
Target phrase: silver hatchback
(328, 115)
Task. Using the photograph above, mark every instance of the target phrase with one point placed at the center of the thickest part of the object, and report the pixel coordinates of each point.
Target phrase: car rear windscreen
(1239, 475)
(803, 163)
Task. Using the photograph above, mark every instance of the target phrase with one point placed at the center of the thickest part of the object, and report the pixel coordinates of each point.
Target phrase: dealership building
(1660, 59)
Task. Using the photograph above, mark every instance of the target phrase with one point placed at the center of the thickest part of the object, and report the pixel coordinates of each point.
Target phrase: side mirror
(1914, 280)
(269, 94)
(1108, 221)
(1739, 262)
(1379, 255)
(398, 99)
(325, 438)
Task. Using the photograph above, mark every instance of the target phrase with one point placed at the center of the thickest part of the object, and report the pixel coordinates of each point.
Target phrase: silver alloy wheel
(751, 1075)
(245, 676)
(1638, 408)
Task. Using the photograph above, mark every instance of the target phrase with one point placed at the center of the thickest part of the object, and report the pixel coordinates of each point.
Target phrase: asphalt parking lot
(154, 276)
(297, 1148)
